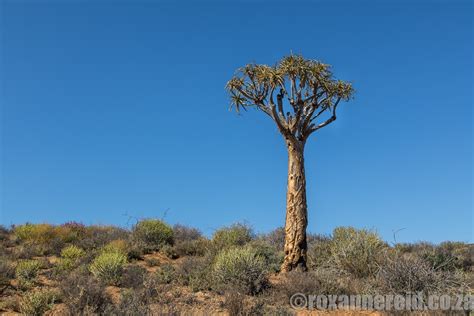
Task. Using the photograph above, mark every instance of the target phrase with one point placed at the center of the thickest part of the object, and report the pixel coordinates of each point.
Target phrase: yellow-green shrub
(234, 235)
(153, 234)
(319, 254)
(45, 233)
(38, 302)
(118, 245)
(70, 231)
(196, 247)
(357, 251)
(109, 266)
(70, 257)
(240, 268)
(38, 233)
(26, 272)
(7, 272)
(273, 257)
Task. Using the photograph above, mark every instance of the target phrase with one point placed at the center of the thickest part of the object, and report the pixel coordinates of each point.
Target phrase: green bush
(319, 254)
(133, 276)
(26, 272)
(448, 256)
(82, 294)
(4, 233)
(109, 266)
(153, 234)
(169, 251)
(48, 239)
(7, 272)
(240, 268)
(165, 274)
(72, 252)
(195, 272)
(134, 251)
(357, 251)
(276, 237)
(71, 231)
(195, 247)
(409, 274)
(96, 237)
(132, 302)
(118, 245)
(235, 235)
(37, 302)
(273, 257)
(39, 233)
(185, 233)
(70, 257)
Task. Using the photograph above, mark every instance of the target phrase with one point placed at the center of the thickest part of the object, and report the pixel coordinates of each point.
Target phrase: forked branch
(308, 85)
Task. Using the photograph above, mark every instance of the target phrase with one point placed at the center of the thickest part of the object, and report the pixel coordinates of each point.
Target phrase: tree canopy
(311, 92)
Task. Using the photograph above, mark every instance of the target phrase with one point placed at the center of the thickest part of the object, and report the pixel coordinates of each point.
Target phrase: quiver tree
(301, 96)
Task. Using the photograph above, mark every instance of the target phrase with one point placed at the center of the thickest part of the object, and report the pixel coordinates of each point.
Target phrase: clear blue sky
(110, 109)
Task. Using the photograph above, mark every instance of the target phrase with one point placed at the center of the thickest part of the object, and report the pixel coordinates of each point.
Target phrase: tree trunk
(296, 211)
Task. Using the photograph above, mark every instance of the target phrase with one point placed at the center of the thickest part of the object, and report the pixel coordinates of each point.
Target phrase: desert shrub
(195, 272)
(319, 254)
(70, 257)
(409, 274)
(9, 303)
(236, 304)
(313, 238)
(37, 302)
(132, 303)
(47, 238)
(71, 231)
(135, 251)
(357, 251)
(463, 252)
(72, 252)
(7, 272)
(195, 247)
(152, 262)
(299, 282)
(151, 287)
(4, 233)
(234, 235)
(44, 237)
(165, 274)
(118, 245)
(26, 251)
(320, 281)
(276, 237)
(108, 267)
(82, 294)
(239, 268)
(133, 276)
(96, 237)
(152, 234)
(273, 257)
(185, 233)
(416, 248)
(439, 259)
(6, 248)
(53, 247)
(38, 233)
(26, 272)
(448, 256)
(169, 251)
